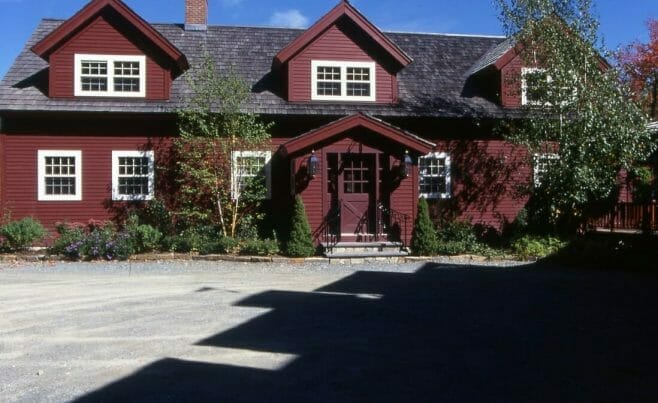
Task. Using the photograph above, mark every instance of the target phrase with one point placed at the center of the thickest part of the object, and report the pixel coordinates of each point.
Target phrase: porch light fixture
(313, 164)
(408, 164)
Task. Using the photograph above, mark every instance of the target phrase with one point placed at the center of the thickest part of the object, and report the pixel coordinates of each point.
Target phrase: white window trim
(343, 81)
(41, 175)
(524, 84)
(536, 180)
(436, 195)
(110, 59)
(267, 168)
(116, 196)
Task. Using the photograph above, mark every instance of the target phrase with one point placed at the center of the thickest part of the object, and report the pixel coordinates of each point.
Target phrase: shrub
(145, 238)
(536, 247)
(20, 235)
(92, 242)
(300, 242)
(423, 240)
(224, 245)
(260, 247)
(459, 237)
(70, 241)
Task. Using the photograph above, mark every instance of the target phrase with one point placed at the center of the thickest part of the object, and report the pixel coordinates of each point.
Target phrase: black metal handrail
(330, 228)
(388, 215)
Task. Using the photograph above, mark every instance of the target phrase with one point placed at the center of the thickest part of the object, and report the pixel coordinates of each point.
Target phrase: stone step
(344, 250)
(363, 255)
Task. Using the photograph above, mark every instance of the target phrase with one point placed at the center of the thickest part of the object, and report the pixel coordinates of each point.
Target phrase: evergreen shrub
(300, 241)
(423, 240)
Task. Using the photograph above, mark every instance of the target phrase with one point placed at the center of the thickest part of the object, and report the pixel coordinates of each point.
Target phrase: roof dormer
(343, 57)
(107, 50)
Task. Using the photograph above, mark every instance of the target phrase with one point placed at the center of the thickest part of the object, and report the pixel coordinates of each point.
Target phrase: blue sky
(621, 21)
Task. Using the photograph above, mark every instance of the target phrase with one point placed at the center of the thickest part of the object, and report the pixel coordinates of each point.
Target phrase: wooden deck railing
(628, 217)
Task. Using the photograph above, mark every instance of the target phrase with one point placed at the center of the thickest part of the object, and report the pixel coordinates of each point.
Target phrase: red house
(383, 118)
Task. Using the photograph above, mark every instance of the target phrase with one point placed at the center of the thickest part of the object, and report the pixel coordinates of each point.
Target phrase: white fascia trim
(110, 59)
(448, 193)
(116, 196)
(343, 65)
(41, 175)
(257, 154)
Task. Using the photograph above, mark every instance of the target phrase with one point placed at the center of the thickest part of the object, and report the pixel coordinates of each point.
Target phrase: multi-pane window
(132, 175)
(542, 164)
(328, 81)
(59, 176)
(434, 170)
(93, 76)
(358, 82)
(534, 86)
(343, 81)
(247, 167)
(356, 176)
(110, 76)
(126, 76)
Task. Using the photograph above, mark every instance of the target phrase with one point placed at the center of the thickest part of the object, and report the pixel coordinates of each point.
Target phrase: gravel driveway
(201, 331)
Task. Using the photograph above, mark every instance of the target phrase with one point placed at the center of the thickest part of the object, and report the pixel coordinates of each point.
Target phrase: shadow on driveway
(440, 335)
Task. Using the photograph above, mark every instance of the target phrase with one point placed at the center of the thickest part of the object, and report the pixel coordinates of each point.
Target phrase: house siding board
(103, 37)
(334, 45)
(21, 184)
(510, 92)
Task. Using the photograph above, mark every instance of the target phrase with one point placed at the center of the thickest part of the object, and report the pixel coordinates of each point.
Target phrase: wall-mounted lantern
(408, 165)
(313, 165)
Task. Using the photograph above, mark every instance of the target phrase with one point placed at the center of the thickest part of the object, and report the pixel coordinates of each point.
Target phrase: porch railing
(388, 220)
(628, 217)
(330, 228)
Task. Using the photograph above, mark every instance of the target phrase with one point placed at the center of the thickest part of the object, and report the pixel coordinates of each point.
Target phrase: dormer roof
(45, 47)
(344, 10)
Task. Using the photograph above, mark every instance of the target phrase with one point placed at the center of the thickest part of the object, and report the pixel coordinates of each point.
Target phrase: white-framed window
(133, 175)
(533, 85)
(434, 176)
(110, 76)
(248, 165)
(343, 81)
(59, 175)
(541, 164)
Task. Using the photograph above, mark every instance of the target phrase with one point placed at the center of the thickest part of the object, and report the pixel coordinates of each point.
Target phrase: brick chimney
(196, 15)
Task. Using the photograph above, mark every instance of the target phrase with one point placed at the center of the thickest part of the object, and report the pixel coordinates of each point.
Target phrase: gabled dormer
(106, 50)
(341, 58)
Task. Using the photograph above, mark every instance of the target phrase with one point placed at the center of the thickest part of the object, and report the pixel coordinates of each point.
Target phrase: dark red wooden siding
(20, 186)
(335, 45)
(510, 91)
(104, 37)
(486, 175)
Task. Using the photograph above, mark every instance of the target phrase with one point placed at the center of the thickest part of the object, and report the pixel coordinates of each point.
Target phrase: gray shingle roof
(433, 85)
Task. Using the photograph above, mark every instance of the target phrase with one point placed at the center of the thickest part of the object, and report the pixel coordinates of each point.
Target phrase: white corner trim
(116, 196)
(343, 65)
(109, 59)
(41, 175)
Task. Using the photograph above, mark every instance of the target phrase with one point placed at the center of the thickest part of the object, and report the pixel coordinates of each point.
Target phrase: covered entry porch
(358, 178)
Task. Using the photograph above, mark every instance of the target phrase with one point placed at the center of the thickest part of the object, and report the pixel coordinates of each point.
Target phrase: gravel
(280, 332)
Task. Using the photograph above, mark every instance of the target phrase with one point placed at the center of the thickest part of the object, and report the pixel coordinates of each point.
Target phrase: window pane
(126, 84)
(358, 89)
(329, 88)
(134, 173)
(94, 83)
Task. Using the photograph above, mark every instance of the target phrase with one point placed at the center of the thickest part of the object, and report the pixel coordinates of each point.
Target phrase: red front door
(356, 193)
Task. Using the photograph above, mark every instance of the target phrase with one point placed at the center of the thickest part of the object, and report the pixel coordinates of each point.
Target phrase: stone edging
(158, 257)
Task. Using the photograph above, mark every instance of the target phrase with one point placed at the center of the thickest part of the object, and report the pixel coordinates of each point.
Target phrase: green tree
(424, 241)
(580, 110)
(214, 129)
(300, 242)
